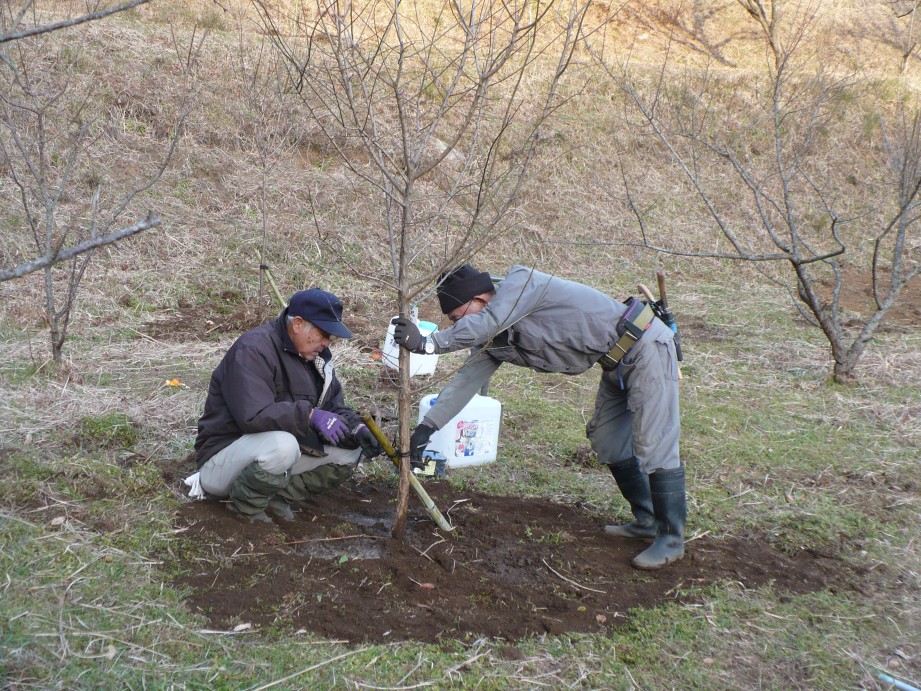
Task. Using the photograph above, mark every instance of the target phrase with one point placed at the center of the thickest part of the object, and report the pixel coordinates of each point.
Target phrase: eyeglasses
(456, 319)
(325, 335)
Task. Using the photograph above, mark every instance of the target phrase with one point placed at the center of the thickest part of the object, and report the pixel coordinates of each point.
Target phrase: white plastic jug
(418, 364)
(469, 438)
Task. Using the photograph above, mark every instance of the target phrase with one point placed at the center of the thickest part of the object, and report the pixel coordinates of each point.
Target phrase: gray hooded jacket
(535, 320)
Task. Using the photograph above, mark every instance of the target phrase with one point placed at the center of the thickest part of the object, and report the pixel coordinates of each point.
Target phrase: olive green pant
(316, 481)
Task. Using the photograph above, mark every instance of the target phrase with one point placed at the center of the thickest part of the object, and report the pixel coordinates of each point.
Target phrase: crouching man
(275, 429)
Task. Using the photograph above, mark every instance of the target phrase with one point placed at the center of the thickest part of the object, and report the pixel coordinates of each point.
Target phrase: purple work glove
(406, 334)
(328, 425)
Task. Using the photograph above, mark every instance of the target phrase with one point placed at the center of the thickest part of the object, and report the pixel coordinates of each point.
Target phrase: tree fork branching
(788, 186)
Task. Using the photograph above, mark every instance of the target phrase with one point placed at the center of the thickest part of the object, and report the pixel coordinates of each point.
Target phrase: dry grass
(212, 189)
(209, 200)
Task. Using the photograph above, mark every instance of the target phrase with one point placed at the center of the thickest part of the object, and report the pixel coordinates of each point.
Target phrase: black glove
(406, 334)
(417, 443)
(367, 441)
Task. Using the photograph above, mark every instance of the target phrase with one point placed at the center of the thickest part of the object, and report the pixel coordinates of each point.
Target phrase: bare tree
(50, 129)
(795, 208)
(13, 31)
(436, 112)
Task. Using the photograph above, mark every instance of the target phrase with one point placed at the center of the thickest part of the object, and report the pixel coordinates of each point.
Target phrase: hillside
(803, 558)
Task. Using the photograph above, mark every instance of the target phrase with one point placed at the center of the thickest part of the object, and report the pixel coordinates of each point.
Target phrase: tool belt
(630, 328)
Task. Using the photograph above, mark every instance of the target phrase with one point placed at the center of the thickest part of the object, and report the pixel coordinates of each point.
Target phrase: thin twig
(431, 545)
(63, 24)
(307, 669)
(697, 537)
(570, 581)
(420, 685)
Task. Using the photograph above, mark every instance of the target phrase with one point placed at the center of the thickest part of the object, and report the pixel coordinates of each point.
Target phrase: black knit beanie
(462, 285)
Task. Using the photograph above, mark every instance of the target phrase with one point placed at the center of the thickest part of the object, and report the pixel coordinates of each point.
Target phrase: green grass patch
(110, 431)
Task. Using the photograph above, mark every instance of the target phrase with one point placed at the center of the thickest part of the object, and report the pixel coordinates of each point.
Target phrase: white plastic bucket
(472, 436)
(418, 364)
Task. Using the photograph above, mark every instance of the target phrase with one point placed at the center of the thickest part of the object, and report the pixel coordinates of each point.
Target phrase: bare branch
(433, 117)
(86, 246)
(65, 23)
(49, 124)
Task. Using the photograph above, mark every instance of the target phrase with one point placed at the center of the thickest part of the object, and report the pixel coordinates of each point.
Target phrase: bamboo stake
(268, 276)
(430, 507)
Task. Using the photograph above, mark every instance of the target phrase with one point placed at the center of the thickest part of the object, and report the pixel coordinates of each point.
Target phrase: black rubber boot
(670, 507)
(634, 485)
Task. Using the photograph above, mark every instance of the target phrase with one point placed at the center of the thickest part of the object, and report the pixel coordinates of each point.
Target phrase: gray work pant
(275, 452)
(636, 408)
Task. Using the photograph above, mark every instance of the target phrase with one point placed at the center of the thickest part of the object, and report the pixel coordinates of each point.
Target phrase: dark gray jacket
(263, 385)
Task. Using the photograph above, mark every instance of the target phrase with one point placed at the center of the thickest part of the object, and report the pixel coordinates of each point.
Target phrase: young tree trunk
(405, 412)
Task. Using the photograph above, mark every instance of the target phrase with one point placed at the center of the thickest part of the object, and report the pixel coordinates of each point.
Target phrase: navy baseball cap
(321, 309)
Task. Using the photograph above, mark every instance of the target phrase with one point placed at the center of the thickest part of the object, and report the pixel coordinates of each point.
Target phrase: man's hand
(418, 441)
(406, 334)
(328, 425)
(367, 441)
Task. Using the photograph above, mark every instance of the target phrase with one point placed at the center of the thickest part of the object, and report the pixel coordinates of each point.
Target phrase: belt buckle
(608, 363)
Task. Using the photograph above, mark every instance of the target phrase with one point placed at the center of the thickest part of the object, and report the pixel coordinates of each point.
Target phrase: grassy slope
(771, 448)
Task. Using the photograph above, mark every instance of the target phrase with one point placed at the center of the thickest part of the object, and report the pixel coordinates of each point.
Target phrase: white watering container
(469, 438)
(418, 364)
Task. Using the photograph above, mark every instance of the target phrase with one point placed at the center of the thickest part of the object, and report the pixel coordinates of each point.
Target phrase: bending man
(549, 324)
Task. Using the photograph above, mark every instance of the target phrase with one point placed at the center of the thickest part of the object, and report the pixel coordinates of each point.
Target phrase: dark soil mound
(513, 567)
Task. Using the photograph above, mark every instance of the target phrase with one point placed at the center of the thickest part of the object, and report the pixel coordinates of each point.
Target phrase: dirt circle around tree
(513, 567)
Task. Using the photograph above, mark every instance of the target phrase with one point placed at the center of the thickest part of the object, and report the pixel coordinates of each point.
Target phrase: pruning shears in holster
(660, 308)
